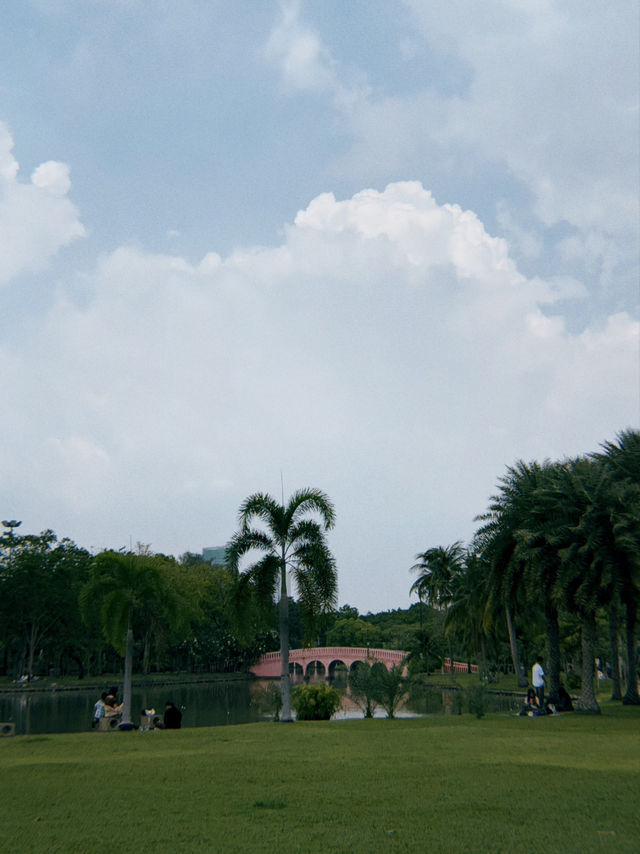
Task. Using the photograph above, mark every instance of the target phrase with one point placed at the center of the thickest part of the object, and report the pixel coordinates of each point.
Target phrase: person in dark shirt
(172, 716)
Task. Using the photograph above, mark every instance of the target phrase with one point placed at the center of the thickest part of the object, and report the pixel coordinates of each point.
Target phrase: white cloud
(554, 94)
(36, 219)
(388, 352)
(304, 62)
(550, 103)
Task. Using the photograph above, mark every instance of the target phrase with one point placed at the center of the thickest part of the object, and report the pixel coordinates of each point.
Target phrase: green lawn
(569, 783)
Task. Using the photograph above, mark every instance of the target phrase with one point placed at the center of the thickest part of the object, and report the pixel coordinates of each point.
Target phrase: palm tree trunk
(631, 697)
(483, 655)
(553, 648)
(285, 681)
(515, 658)
(32, 651)
(588, 701)
(616, 688)
(128, 666)
(146, 652)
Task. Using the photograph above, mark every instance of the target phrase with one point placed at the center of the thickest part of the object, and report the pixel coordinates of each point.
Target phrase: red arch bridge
(324, 661)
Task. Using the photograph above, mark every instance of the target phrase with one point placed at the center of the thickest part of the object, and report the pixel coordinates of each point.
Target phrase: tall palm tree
(290, 542)
(577, 507)
(467, 615)
(515, 578)
(622, 459)
(121, 586)
(437, 568)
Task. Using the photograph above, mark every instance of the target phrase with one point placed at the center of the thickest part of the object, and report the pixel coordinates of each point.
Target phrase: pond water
(203, 704)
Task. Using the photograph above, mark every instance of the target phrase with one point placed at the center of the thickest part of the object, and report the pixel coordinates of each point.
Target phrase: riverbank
(98, 683)
(503, 783)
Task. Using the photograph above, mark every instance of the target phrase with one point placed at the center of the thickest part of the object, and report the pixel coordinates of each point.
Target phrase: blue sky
(384, 248)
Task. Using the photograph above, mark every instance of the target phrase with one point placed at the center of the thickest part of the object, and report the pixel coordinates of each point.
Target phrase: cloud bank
(388, 351)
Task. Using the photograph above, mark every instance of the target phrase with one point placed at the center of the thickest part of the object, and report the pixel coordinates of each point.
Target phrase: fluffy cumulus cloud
(388, 351)
(36, 218)
(537, 95)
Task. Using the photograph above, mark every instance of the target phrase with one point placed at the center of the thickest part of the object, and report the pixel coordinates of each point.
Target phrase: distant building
(215, 554)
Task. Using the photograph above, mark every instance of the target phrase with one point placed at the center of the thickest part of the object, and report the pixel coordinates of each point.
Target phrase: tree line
(65, 611)
(554, 564)
(556, 558)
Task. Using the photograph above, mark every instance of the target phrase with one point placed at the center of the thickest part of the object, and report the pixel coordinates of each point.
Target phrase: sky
(384, 248)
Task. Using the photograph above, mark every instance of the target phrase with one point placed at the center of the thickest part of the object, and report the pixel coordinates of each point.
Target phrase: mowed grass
(500, 784)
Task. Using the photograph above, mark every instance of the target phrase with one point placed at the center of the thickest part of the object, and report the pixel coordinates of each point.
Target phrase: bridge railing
(338, 652)
(458, 667)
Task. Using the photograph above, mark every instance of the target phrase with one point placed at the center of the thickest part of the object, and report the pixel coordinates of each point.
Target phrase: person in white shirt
(99, 711)
(537, 677)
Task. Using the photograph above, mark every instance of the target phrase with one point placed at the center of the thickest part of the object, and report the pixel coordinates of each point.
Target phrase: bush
(476, 697)
(315, 702)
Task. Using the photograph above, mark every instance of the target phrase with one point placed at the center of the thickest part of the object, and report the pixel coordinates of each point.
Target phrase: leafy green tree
(290, 542)
(38, 586)
(353, 632)
(123, 586)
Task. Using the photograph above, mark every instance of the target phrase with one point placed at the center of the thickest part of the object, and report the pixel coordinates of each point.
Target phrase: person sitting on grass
(99, 710)
(532, 705)
(111, 709)
(148, 719)
(564, 703)
(172, 716)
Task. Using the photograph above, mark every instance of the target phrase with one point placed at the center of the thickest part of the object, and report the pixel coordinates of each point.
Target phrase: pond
(203, 704)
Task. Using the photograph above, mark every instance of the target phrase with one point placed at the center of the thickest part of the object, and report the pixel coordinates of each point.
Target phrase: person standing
(537, 677)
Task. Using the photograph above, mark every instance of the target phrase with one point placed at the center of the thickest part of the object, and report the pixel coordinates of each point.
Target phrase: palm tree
(122, 586)
(622, 459)
(515, 578)
(437, 568)
(467, 617)
(577, 506)
(290, 542)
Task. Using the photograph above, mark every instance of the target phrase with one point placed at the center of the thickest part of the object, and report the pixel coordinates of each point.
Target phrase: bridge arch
(337, 667)
(311, 661)
(315, 669)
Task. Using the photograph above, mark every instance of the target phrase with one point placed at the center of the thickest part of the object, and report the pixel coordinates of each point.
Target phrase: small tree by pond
(362, 687)
(390, 687)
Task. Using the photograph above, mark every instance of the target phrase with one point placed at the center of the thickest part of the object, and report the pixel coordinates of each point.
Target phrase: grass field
(439, 784)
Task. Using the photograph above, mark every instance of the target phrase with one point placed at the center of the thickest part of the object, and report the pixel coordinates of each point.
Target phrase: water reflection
(208, 704)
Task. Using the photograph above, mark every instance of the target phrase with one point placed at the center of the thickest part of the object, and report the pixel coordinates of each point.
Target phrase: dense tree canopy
(559, 547)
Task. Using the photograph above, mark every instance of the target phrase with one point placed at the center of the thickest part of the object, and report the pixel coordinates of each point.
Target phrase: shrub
(315, 702)
(476, 697)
